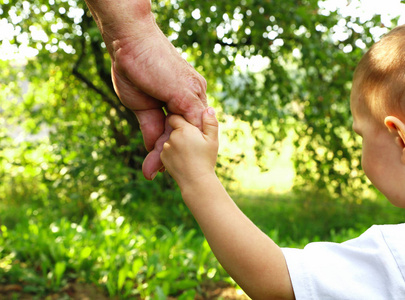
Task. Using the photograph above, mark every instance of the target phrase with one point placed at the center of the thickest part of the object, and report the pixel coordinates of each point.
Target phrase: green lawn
(43, 254)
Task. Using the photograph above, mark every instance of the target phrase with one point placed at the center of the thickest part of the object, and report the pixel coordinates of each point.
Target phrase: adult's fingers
(130, 95)
(210, 124)
(147, 109)
(152, 163)
(152, 125)
(191, 111)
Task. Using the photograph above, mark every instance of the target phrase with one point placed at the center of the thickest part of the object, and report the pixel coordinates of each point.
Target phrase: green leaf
(122, 276)
(59, 270)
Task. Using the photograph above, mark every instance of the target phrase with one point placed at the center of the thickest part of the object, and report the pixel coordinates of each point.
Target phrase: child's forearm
(254, 261)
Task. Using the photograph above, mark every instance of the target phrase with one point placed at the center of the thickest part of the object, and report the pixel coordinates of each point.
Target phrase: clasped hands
(148, 74)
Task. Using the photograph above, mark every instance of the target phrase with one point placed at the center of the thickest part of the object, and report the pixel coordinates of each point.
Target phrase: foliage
(44, 253)
(302, 83)
(127, 260)
(70, 90)
(74, 205)
(296, 219)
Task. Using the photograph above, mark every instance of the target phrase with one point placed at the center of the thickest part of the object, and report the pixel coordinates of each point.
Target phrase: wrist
(120, 20)
(196, 185)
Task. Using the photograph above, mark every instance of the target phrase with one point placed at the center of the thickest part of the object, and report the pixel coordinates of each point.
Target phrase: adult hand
(148, 73)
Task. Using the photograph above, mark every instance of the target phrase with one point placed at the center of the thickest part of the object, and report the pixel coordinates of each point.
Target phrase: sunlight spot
(297, 53)
(348, 49)
(253, 64)
(365, 10)
(102, 177)
(280, 175)
(119, 221)
(240, 292)
(94, 195)
(49, 16)
(54, 228)
(38, 34)
(211, 273)
(106, 212)
(196, 14)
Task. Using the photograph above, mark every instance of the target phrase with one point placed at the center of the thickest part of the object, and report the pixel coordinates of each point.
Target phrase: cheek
(364, 156)
(365, 165)
(371, 171)
(368, 163)
(376, 165)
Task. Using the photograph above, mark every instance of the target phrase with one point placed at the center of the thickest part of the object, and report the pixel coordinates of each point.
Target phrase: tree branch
(105, 97)
(98, 54)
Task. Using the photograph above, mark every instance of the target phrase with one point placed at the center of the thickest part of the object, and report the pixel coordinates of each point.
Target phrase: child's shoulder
(388, 230)
(390, 234)
(394, 237)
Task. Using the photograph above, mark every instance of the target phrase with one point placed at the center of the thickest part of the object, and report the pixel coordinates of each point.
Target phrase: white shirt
(370, 267)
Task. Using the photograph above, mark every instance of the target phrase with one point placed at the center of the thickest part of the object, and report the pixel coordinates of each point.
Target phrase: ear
(397, 127)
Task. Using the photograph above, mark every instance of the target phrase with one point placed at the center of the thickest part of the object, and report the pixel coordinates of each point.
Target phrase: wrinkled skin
(148, 73)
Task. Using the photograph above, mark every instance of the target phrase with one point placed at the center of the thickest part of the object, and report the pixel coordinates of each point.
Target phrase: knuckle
(193, 92)
(198, 85)
(166, 147)
(203, 82)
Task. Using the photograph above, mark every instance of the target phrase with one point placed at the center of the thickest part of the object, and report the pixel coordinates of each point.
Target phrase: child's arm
(254, 261)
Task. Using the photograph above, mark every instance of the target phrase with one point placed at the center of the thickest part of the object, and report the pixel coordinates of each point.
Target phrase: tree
(303, 84)
(308, 55)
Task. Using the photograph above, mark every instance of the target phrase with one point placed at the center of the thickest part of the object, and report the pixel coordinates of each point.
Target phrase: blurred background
(77, 218)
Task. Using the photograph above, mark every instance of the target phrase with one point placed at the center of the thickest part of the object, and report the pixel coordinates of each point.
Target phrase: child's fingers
(210, 123)
(177, 121)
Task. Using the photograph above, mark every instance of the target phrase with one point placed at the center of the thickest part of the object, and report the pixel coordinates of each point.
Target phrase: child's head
(378, 108)
(380, 77)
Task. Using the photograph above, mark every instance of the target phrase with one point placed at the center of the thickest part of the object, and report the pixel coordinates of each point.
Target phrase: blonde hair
(379, 78)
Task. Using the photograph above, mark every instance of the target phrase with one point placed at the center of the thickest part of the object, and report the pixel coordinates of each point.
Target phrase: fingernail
(211, 111)
(153, 175)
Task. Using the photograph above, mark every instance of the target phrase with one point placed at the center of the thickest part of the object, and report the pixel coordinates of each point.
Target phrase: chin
(398, 201)
(391, 191)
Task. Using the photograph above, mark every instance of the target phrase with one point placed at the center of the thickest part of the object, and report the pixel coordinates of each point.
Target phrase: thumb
(210, 123)
(176, 121)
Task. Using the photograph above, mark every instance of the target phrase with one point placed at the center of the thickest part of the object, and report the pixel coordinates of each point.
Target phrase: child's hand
(189, 154)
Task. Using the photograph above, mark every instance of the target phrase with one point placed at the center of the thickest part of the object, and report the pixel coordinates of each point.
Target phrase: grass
(295, 219)
(138, 240)
(43, 254)
(126, 259)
